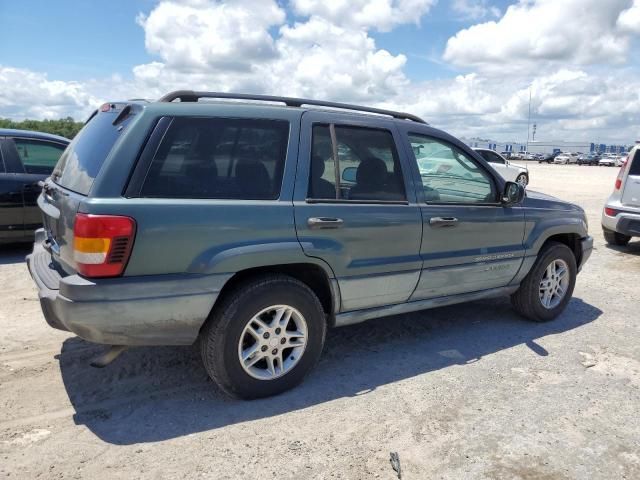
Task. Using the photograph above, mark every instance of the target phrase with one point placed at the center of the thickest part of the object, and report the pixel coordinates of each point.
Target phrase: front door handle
(443, 221)
(325, 222)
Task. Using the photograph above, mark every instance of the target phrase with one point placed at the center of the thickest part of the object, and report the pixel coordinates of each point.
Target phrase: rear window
(81, 161)
(219, 158)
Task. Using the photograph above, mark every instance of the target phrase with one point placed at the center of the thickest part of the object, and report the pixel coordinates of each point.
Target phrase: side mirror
(349, 174)
(513, 193)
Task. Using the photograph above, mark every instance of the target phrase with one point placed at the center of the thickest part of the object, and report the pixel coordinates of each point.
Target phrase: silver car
(621, 214)
(509, 171)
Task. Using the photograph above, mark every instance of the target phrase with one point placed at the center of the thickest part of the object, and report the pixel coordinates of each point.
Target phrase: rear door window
(219, 158)
(367, 163)
(38, 156)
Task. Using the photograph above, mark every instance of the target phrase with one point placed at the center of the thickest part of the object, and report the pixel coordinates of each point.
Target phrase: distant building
(542, 146)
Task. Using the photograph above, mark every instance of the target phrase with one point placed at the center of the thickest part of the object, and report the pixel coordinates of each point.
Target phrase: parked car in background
(548, 158)
(252, 228)
(612, 160)
(509, 171)
(621, 214)
(26, 158)
(566, 158)
(522, 155)
(588, 159)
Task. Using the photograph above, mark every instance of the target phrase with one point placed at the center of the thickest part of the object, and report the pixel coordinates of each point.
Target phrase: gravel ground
(469, 391)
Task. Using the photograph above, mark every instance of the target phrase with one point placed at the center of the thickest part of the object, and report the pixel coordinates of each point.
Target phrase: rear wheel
(264, 337)
(547, 288)
(615, 238)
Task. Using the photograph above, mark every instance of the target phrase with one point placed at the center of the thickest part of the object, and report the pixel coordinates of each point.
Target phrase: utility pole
(529, 119)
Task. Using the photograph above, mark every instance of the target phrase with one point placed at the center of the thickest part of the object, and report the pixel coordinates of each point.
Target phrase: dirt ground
(463, 392)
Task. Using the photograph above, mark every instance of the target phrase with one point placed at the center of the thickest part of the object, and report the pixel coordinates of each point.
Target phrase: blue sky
(466, 65)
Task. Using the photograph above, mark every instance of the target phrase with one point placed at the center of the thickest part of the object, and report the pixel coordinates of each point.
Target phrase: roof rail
(191, 96)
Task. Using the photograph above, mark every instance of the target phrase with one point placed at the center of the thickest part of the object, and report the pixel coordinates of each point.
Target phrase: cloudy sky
(466, 66)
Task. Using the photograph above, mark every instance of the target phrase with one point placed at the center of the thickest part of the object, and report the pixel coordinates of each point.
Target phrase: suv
(621, 215)
(252, 228)
(26, 158)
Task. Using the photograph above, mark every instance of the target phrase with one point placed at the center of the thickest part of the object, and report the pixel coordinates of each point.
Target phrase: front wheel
(547, 288)
(522, 179)
(264, 337)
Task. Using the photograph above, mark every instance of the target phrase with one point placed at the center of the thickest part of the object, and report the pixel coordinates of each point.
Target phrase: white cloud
(536, 32)
(629, 20)
(474, 9)
(570, 103)
(213, 45)
(28, 94)
(380, 14)
(201, 35)
(327, 52)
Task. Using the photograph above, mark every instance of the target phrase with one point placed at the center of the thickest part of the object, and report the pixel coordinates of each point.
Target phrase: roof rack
(191, 96)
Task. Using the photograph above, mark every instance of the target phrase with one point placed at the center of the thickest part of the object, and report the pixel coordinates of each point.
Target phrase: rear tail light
(621, 173)
(610, 212)
(102, 244)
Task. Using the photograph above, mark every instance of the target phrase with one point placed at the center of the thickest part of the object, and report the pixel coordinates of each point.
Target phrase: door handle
(325, 222)
(443, 221)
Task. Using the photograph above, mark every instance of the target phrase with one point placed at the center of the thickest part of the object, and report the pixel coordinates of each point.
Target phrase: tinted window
(492, 157)
(448, 174)
(368, 165)
(38, 156)
(219, 158)
(80, 163)
(634, 168)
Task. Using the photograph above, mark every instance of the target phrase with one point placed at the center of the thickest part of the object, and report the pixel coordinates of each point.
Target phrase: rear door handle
(443, 221)
(325, 222)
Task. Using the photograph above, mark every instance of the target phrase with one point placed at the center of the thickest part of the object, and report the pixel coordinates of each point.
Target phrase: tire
(615, 238)
(526, 300)
(522, 179)
(220, 339)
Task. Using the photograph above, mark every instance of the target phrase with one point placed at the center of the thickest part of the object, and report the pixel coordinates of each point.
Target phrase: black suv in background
(25, 159)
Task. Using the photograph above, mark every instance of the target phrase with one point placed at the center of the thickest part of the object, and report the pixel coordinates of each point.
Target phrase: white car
(566, 158)
(509, 171)
(621, 215)
(613, 160)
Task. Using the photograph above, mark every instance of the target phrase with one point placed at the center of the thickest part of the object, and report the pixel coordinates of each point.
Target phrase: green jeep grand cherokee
(252, 227)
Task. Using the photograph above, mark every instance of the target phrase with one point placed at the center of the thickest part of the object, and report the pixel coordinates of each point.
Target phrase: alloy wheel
(272, 342)
(554, 284)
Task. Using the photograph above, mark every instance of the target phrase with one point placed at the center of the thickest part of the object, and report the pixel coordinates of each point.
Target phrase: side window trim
(336, 159)
(492, 178)
(145, 157)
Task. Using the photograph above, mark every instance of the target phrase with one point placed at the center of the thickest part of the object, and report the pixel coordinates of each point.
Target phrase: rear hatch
(73, 177)
(631, 192)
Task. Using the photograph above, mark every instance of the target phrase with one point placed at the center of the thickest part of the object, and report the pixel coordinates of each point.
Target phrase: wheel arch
(571, 240)
(311, 274)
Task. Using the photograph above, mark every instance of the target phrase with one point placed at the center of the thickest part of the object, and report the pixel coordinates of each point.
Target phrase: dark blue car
(26, 157)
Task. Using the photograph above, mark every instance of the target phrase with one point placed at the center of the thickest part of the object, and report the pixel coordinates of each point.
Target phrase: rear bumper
(153, 310)
(626, 223)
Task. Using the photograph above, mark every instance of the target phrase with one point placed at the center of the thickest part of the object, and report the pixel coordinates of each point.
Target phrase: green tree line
(66, 127)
